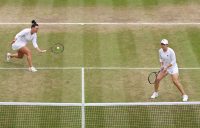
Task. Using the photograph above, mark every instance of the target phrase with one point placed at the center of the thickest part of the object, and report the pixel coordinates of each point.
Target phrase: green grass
(99, 46)
(101, 116)
(40, 117)
(93, 46)
(194, 39)
(132, 86)
(99, 10)
(142, 116)
(124, 47)
(46, 86)
(114, 3)
(90, 46)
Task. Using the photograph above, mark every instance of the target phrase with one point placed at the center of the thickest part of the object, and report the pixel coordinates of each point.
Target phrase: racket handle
(161, 68)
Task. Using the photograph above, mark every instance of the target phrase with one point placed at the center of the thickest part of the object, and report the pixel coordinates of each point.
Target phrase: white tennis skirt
(173, 70)
(16, 46)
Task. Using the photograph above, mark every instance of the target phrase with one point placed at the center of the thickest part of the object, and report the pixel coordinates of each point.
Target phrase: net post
(83, 98)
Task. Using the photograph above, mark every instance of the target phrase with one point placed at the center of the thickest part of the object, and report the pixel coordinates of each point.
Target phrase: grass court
(122, 49)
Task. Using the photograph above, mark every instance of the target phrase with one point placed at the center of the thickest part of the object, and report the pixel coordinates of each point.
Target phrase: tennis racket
(56, 48)
(152, 77)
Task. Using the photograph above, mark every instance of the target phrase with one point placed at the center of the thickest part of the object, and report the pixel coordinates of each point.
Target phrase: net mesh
(101, 116)
(162, 116)
(40, 116)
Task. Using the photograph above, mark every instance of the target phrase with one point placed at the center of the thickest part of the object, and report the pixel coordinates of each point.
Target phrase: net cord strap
(38, 104)
(83, 97)
(98, 104)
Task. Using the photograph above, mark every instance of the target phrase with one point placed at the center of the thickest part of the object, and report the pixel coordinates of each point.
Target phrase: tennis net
(100, 115)
(143, 115)
(40, 115)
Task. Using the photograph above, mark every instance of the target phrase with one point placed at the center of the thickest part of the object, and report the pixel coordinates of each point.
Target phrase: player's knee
(22, 56)
(28, 53)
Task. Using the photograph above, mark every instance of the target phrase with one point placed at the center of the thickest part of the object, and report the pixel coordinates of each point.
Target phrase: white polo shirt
(168, 57)
(23, 37)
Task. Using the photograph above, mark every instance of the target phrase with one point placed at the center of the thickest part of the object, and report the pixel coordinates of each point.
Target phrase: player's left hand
(43, 51)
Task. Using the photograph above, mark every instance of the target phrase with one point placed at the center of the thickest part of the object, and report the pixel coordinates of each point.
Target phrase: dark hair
(34, 23)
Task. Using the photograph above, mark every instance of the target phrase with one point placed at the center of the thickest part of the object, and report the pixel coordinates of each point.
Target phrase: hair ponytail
(34, 23)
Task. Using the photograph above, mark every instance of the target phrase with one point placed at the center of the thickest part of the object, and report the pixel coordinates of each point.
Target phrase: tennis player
(168, 66)
(20, 41)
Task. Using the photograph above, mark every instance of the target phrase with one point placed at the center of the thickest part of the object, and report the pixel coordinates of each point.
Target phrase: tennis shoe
(154, 95)
(32, 69)
(8, 57)
(185, 98)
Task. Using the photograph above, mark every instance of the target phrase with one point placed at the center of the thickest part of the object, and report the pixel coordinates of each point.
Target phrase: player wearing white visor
(168, 66)
(20, 41)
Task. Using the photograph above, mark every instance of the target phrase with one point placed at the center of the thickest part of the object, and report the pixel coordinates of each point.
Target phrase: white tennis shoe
(185, 98)
(154, 95)
(8, 57)
(32, 69)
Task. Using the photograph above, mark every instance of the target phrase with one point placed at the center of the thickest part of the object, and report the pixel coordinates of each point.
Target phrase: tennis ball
(58, 48)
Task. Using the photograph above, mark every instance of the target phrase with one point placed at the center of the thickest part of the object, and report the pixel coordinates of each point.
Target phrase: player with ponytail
(20, 41)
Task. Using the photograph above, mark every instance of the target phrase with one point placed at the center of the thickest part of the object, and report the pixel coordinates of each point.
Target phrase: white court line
(39, 104)
(44, 68)
(93, 68)
(143, 103)
(83, 97)
(100, 104)
(129, 68)
(105, 23)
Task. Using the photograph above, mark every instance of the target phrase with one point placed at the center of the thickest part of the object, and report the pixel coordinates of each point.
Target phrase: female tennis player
(20, 41)
(168, 66)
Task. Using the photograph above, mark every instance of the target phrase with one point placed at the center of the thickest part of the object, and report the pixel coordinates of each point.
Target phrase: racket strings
(57, 48)
(152, 77)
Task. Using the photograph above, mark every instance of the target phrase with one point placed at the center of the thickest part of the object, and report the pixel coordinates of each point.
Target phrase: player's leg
(19, 55)
(160, 76)
(177, 83)
(25, 50)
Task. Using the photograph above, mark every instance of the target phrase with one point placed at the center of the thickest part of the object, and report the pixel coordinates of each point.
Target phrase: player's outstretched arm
(39, 50)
